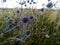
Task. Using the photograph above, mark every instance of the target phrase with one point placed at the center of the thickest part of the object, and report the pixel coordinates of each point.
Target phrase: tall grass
(42, 24)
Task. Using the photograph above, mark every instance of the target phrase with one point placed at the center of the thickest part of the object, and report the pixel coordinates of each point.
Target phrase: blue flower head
(28, 1)
(10, 26)
(42, 9)
(17, 11)
(4, 0)
(27, 32)
(31, 17)
(25, 5)
(32, 0)
(49, 5)
(8, 17)
(9, 21)
(25, 20)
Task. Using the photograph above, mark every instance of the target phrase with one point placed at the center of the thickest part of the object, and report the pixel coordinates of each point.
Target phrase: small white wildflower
(47, 36)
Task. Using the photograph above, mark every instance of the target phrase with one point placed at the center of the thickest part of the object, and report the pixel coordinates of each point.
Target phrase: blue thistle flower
(31, 0)
(27, 1)
(30, 3)
(27, 32)
(9, 21)
(4, 0)
(42, 9)
(25, 20)
(17, 11)
(49, 5)
(8, 17)
(25, 5)
(31, 17)
(10, 26)
(34, 2)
